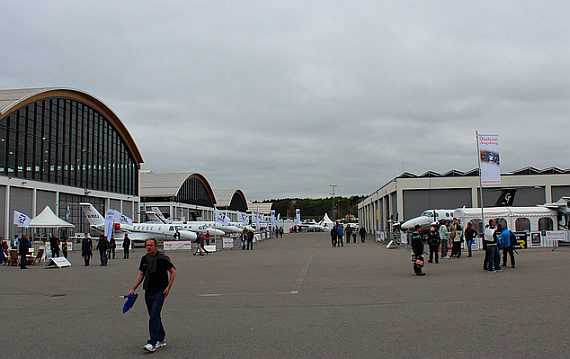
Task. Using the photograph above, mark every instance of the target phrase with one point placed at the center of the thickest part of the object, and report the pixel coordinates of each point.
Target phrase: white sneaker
(149, 348)
(160, 344)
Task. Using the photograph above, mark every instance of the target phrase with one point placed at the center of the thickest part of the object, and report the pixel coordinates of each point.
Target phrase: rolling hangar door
(417, 201)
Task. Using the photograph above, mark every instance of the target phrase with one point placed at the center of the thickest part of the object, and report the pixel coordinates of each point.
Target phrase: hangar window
(65, 141)
(545, 224)
(522, 225)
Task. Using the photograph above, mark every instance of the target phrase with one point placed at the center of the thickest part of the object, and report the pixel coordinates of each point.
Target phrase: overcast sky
(284, 98)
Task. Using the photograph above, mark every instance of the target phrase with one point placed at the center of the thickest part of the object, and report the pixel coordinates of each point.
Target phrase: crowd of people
(444, 235)
(342, 234)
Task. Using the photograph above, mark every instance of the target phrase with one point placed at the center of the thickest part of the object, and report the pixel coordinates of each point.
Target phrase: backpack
(513, 239)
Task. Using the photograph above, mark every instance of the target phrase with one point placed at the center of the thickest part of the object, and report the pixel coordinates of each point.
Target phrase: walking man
(126, 246)
(153, 269)
(54, 244)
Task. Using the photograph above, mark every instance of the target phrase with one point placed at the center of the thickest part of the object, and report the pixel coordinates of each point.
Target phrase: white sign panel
(172, 245)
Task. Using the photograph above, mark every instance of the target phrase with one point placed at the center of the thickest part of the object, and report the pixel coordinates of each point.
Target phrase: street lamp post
(333, 186)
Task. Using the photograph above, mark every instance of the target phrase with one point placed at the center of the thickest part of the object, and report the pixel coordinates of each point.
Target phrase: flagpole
(480, 184)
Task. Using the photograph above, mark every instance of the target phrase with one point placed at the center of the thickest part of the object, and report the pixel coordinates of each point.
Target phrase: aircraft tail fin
(506, 198)
(158, 214)
(93, 216)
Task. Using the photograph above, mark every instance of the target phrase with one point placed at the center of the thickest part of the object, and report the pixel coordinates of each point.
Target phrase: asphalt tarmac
(295, 297)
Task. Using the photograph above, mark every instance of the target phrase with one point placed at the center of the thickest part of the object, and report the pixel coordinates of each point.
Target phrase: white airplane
(427, 218)
(139, 230)
(214, 228)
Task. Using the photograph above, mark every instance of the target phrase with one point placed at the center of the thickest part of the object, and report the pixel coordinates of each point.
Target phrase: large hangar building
(407, 195)
(187, 196)
(60, 147)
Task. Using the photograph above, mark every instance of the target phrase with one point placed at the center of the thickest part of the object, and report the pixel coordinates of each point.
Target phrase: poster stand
(57, 262)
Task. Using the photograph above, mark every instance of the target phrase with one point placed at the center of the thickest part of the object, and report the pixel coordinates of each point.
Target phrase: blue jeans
(154, 304)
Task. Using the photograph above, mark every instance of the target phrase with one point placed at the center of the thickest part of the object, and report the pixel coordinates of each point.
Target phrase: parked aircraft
(139, 230)
(215, 228)
(428, 217)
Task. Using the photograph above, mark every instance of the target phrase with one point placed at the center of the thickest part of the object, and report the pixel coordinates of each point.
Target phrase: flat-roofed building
(408, 195)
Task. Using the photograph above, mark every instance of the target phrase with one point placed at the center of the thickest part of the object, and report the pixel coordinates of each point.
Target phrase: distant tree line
(344, 207)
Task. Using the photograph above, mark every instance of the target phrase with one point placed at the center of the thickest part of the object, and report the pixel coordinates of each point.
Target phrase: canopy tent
(48, 219)
(327, 221)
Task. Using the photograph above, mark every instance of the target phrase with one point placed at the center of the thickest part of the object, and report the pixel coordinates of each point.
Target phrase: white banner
(109, 221)
(272, 218)
(221, 218)
(298, 216)
(172, 245)
(489, 159)
(21, 219)
(258, 220)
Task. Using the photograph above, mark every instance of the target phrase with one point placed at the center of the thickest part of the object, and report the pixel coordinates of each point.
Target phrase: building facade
(407, 195)
(60, 147)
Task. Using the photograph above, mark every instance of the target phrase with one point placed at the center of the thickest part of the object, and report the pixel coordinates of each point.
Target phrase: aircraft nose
(187, 235)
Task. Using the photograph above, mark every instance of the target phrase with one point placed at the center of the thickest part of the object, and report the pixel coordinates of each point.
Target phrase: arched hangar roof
(232, 199)
(191, 188)
(12, 99)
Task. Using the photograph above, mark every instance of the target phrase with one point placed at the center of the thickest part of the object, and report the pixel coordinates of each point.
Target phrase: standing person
(54, 245)
(362, 234)
(443, 236)
(176, 235)
(64, 247)
(249, 240)
(333, 236)
(348, 233)
(207, 237)
(102, 246)
(243, 239)
(15, 242)
(418, 249)
(339, 232)
(153, 269)
(23, 251)
(126, 246)
(491, 242)
(86, 248)
(457, 238)
(112, 246)
(433, 242)
(2, 249)
(470, 235)
(451, 238)
(508, 240)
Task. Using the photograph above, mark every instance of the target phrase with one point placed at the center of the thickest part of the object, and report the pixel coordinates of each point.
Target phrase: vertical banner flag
(272, 218)
(278, 219)
(258, 221)
(109, 221)
(122, 219)
(221, 218)
(68, 213)
(489, 159)
(21, 219)
(298, 216)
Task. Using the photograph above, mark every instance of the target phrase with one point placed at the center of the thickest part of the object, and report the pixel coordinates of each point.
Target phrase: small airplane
(139, 230)
(430, 216)
(427, 218)
(215, 228)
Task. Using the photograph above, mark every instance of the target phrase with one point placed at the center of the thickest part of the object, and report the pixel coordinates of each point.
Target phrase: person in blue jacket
(339, 235)
(508, 243)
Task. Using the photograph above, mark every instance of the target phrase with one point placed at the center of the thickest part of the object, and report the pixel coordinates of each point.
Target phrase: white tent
(48, 219)
(326, 219)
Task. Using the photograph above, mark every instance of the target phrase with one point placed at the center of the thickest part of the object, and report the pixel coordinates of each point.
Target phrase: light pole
(333, 186)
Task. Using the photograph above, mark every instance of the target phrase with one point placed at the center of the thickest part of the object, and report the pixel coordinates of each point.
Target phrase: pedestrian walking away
(86, 249)
(126, 246)
(153, 270)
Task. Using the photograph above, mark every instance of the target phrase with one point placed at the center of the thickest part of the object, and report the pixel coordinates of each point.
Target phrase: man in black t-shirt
(153, 269)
